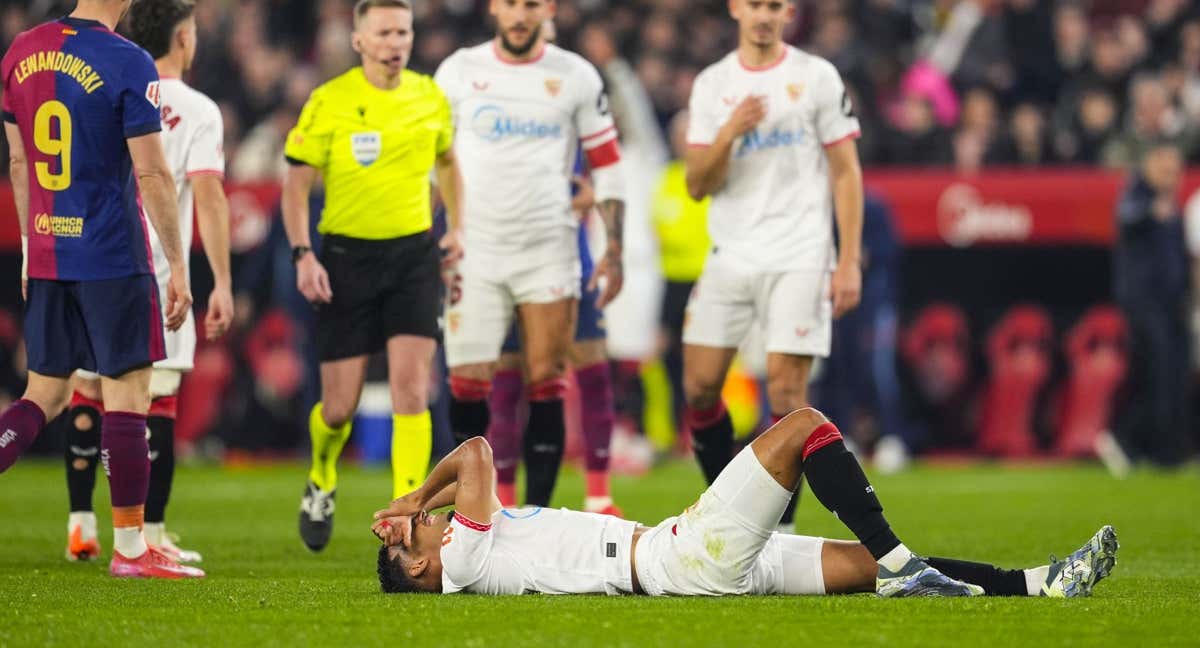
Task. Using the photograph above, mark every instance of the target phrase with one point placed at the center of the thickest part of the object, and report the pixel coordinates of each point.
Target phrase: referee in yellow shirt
(373, 133)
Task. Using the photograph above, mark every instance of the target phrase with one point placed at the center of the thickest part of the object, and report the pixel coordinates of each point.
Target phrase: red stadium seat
(1097, 351)
(1019, 350)
(936, 347)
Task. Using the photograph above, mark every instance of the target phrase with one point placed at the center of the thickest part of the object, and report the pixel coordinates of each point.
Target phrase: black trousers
(1156, 424)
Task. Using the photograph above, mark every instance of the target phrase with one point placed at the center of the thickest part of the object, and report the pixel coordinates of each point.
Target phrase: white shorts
(794, 309)
(181, 344)
(163, 382)
(725, 542)
(483, 291)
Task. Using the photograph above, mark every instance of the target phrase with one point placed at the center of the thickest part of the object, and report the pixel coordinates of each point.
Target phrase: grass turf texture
(265, 588)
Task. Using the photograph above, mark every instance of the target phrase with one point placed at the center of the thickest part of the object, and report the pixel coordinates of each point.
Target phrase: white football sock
(1035, 578)
(129, 542)
(154, 533)
(85, 520)
(895, 559)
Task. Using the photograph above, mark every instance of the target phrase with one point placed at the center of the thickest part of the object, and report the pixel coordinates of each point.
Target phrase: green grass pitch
(265, 588)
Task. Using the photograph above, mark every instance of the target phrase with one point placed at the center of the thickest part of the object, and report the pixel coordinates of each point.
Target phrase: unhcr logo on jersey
(776, 138)
(68, 226)
(491, 123)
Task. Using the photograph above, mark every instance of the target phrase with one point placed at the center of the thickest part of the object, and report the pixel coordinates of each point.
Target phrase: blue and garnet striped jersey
(77, 91)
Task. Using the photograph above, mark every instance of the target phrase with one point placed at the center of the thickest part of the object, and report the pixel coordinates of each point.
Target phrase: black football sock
(544, 436)
(838, 483)
(82, 455)
(993, 580)
(468, 419)
(162, 466)
(712, 439)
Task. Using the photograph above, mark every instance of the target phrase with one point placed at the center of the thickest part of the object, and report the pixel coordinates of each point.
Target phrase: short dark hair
(363, 6)
(393, 577)
(152, 23)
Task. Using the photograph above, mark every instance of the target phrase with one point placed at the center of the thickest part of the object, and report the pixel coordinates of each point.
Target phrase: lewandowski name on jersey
(491, 123)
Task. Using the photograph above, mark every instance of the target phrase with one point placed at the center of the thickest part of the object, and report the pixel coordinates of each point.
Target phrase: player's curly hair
(152, 23)
(393, 578)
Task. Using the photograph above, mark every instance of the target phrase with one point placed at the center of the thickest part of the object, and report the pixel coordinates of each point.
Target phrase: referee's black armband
(295, 162)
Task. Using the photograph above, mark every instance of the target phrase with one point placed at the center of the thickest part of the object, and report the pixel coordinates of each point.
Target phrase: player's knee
(801, 423)
(336, 413)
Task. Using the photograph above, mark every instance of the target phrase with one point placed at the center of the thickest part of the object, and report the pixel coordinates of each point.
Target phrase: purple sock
(20, 425)
(596, 401)
(126, 457)
(504, 431)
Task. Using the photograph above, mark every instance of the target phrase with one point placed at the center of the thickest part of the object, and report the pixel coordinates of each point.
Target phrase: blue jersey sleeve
(140, 99)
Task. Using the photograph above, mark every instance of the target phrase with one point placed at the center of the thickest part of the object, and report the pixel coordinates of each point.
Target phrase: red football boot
(152, 564)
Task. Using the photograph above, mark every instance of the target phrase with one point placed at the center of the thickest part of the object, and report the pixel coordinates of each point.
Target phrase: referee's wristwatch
(299, 251)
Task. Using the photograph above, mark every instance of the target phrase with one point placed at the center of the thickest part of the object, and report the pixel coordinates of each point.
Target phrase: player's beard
(520, 50)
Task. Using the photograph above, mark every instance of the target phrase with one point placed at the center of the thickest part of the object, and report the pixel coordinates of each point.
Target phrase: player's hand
(846, 288)
(312, 280)
(612, 271)
(584, 198)
(179, 299)
(220, 313)
(395, 530)
(452, 248)
(748, 114)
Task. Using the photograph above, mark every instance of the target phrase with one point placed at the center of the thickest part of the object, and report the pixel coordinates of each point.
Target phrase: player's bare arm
(157, 187)
(467, 474)
(451, 188)
(610, 267)
(585, 196)
(18, 173)
(212, 216)
(845, 174)
(708, 166)
(311, 278)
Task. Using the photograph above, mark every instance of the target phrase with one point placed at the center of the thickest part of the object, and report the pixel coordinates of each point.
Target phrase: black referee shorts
(380, 289)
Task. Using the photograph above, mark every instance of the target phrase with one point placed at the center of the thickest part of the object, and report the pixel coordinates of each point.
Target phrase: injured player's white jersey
(538, 550)
(518, 127)
(775, 211)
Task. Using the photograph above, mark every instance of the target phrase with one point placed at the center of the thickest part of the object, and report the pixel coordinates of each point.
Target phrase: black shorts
(381, 289)
(674, 306)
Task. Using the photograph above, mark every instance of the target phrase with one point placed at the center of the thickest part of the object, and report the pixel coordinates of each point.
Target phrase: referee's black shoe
(316, 516)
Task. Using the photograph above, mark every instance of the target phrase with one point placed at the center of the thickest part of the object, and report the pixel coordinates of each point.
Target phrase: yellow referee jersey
(681, 224)
(375, 149)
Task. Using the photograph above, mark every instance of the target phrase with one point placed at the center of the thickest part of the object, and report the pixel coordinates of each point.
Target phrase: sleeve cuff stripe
(9, 117)
(593, 136)
(471, 524)
(850, 136)
(206, 172)
(294, 161)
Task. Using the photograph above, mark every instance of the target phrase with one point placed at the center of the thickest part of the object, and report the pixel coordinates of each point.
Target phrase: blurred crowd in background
(968, 83)
(959, 84)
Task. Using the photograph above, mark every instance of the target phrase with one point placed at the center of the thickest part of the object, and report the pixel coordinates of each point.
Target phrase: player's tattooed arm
(156, 184)
(611, 267)
(18, 174)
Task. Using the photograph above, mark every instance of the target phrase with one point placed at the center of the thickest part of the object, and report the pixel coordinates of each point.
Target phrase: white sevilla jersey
(775, 211)
(518, 128)
(541, 550)
(193, 139)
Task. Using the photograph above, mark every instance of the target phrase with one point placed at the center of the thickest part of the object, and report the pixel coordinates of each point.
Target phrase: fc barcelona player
(81, 114)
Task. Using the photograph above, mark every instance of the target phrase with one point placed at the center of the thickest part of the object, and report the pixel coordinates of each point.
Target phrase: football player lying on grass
(722, 544)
